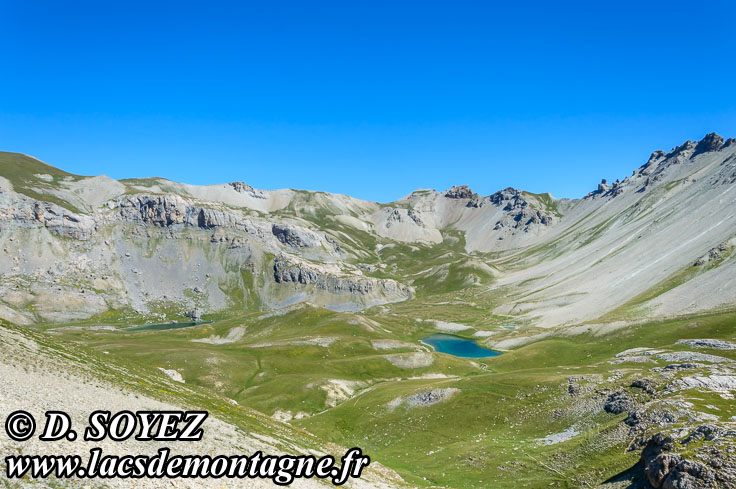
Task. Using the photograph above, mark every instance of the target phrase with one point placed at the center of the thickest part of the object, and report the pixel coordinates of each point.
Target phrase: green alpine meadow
(462, 341)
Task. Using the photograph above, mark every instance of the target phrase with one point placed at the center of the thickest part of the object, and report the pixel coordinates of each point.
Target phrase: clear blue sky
(372, 99)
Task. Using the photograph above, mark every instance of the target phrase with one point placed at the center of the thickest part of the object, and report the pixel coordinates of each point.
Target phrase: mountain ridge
(710, 142)
(520, 237)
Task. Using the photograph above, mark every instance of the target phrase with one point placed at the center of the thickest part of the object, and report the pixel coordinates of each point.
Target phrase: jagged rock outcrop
(295, 236)
(460, 192)
(519, 213)
(510, 198)
(654, 159)
(244, 188)
(711, 142)
(683, 151)
(715, 254)
(605, 190)
(660, 162)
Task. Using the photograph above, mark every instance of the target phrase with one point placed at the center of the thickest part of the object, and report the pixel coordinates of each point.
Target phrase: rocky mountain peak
(460, 192)
(711, 142)
(507, 194)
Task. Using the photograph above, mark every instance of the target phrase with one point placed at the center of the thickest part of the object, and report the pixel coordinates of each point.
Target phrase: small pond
(163, 326)
(457, 346)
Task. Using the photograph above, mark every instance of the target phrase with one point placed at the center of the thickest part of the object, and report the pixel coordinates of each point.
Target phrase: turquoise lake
(457, 346)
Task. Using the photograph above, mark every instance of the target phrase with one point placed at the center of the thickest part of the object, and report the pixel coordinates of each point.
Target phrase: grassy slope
(21, 171)
(472, 440)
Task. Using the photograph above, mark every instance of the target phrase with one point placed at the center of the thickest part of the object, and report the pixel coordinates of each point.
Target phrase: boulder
(618, 402)
(708, 343)
(195, 314)
(708, 432)
(658, 469)
(689, 474)
(647, 385)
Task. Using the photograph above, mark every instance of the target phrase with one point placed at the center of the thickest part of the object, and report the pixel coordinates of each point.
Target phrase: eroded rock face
(285, 271)
(60, 221)
(64, 223)
(172, 211)
(397, 216)
(159, 210)
(290, 271)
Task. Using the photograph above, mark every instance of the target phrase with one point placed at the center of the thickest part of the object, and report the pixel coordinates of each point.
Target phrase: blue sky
(372, 99)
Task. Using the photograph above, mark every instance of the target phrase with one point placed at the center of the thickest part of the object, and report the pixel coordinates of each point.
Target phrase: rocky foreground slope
(75, 247)
(77, 382)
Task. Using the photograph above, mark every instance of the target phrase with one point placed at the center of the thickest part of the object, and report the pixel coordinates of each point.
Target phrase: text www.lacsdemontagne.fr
(282, 470)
